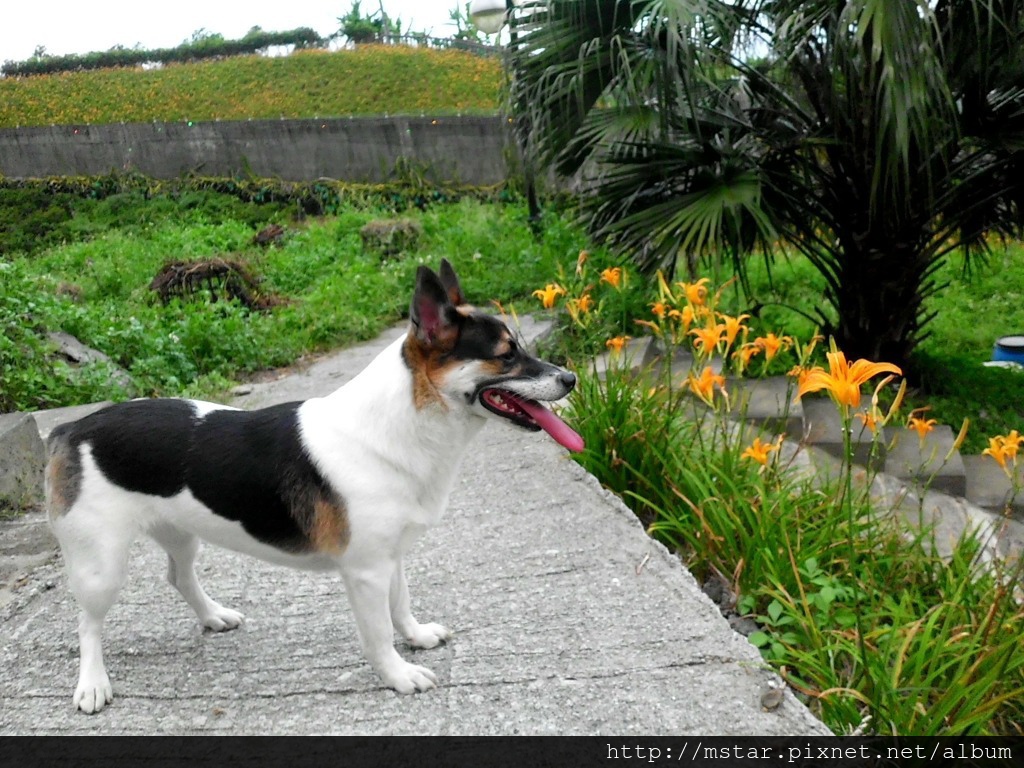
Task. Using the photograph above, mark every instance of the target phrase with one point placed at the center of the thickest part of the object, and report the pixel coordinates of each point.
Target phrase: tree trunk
(879, 304)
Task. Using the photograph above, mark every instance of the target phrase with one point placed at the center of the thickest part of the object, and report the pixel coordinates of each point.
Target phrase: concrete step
(823, 428)
(632, 357)
(815, 421)
(768, 403)
(989, 487)
(930, 462)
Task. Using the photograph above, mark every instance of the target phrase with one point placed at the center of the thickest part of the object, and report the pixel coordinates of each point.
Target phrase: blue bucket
(1009, 349)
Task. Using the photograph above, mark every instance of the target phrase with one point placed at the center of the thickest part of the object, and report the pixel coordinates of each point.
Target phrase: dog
(344, 482)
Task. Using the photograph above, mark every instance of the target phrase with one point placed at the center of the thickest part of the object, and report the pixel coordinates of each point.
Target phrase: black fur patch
(479, 337)
(247, 466)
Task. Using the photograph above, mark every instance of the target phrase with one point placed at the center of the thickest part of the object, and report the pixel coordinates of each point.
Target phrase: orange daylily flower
(707, 339)
(617, 343)
(659, 308)
(580, 306)
(1003, 447)
(548, 294)
(772, 344)
(843, 380)
(612, 276)
(684, 316)
(921, 426)
(732, 326)
(996, 450)
(758, 451)
(1012, 443)
(696, 293)
(799, 373)
(746, 352)
(584, 303)
(703, 386)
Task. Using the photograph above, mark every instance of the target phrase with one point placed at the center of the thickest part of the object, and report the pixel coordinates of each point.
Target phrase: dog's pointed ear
(432, 313)
(450, 281)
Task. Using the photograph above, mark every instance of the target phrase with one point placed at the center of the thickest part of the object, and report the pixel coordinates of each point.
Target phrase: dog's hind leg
(416, 634)
(96, 559)
(181, 548)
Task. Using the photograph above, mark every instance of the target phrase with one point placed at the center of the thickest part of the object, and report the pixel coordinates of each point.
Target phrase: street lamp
(489, 16)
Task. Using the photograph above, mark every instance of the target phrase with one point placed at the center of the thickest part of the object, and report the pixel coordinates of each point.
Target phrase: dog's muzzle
(532, 414)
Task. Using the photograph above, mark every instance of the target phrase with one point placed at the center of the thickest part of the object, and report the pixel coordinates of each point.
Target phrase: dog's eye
(510, 356)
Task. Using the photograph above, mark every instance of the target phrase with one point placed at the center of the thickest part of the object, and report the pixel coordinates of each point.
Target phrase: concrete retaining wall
(470, 150)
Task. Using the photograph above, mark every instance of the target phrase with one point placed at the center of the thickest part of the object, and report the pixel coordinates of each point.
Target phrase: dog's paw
(222, 619)
(428, 636)
(409, 678)
(91, 696)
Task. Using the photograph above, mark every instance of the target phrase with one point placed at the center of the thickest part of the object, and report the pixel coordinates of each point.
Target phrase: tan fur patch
(329, 532)
(57, 503)
(427, 373)
(62, 481)
(492, 367)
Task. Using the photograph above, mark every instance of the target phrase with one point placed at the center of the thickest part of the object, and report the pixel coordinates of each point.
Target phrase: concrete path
(569, 619)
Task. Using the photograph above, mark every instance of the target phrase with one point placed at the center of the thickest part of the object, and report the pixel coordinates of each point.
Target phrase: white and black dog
(344, 482)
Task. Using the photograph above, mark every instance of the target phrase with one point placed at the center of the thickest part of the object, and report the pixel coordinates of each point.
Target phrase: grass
(811, 559)
(391, 80)
(335, 292)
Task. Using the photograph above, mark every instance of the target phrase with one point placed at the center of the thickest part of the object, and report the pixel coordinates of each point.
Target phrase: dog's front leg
(369, 590)
(416, 634)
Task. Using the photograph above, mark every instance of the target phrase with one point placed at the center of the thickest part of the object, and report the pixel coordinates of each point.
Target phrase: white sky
(80, 26)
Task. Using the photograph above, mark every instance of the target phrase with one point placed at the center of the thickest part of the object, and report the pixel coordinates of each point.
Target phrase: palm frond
(872, 136)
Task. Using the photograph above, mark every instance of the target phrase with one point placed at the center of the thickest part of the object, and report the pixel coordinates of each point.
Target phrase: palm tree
(875, 137)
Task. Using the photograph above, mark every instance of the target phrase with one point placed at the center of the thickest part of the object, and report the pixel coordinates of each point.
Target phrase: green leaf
(759, 639)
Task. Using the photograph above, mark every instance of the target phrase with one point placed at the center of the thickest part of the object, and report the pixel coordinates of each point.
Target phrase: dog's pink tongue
(563, 434)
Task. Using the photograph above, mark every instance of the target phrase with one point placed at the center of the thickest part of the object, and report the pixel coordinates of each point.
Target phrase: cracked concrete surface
(536, 568)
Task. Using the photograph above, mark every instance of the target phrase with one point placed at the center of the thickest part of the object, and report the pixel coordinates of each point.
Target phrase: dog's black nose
(567, 379)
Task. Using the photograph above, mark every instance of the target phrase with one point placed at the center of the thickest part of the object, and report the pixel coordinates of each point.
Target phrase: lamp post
(490, 16)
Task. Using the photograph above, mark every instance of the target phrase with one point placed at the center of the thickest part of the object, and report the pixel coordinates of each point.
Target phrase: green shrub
(208, 46)
(32, 217)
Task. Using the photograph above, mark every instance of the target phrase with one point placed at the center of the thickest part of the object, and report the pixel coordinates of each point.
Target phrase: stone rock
(390, 237)
(22, 459)
(77, 353)
(51, 418)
